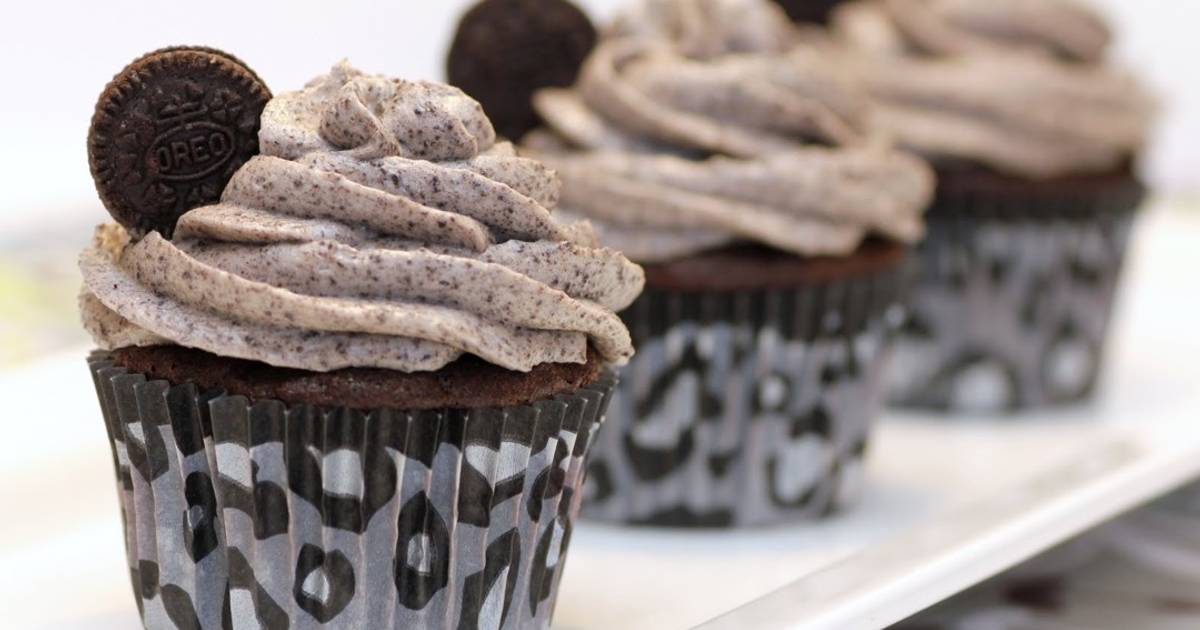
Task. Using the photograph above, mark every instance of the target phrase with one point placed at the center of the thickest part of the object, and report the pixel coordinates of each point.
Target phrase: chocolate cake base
(467, 383)
(968, 190)
(751, 267)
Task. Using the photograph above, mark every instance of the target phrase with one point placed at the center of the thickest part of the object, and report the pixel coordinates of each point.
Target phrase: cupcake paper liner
(1011, 309)
(744, 408)
(242, 514)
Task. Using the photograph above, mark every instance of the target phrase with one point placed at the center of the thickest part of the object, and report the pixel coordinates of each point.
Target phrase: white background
(57, 55)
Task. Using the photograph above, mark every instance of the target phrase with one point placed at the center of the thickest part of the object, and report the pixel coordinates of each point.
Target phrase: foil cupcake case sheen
(745, 408)
(241, 514)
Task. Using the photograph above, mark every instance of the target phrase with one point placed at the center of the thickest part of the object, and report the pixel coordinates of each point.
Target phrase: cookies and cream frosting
(382, 226)
(699, 123)
(1020, 86)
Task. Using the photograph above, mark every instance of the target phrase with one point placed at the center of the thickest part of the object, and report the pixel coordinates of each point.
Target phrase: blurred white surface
(57, 55)
(1141, 571)
(949, 504)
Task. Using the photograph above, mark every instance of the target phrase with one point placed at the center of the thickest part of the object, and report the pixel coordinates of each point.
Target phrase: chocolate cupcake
(1033, 136)
(706, 141)
(360, 390)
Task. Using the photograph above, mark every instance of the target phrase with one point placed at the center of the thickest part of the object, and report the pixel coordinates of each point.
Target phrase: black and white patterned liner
(1009, 313)
(744, 409)
(256, 515)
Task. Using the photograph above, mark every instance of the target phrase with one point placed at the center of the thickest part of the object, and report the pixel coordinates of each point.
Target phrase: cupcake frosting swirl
(697, 123)
(1020, 86)
(382, 226)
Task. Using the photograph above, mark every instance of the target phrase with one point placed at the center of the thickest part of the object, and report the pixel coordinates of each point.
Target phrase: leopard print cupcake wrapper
(257, 515)
(747, 408)
(1011, 309)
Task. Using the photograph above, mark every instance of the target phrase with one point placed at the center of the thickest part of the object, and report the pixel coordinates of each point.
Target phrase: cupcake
(358, 389)
(705, 141)
(1033, 136)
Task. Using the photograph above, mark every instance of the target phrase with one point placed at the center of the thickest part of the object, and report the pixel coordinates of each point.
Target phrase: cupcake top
(700, 123)
(381, 226)
(1022, 87)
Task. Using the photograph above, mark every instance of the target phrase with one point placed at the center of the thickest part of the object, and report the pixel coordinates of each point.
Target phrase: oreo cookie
(169, 131)
(816, 11)
(505, 50)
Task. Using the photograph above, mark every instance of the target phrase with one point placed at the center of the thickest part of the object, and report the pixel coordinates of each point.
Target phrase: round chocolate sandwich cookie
(809, 10)
(213, 51)
(505, 50)
(169, 131)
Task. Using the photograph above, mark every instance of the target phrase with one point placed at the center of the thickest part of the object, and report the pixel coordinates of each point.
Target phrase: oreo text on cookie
(169, 131)
(192, 151)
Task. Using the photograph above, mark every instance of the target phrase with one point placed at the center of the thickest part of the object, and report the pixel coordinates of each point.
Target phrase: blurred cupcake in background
(1034, 136)
(704, 140)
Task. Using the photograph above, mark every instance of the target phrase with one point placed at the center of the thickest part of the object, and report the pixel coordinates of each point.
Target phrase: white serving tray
(949, 503)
